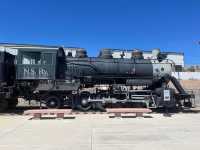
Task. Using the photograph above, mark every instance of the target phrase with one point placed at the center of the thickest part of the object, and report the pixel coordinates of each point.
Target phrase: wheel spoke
(84, 104)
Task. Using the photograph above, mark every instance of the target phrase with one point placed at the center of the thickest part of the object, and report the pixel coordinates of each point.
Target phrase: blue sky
(171, 25)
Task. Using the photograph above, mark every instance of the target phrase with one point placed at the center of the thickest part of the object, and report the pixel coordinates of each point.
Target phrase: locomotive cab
(37, 64)
(42, 73)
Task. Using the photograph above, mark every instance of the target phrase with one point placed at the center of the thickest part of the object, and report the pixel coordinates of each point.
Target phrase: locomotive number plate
(166, 95)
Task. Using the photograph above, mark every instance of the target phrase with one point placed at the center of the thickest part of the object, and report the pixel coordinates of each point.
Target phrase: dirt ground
(190, 84)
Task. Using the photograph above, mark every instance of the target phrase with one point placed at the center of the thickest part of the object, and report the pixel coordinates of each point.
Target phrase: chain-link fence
(196, 93)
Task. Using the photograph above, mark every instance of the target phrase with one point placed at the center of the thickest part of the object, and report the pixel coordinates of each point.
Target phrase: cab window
(31, 58)
(47, 59)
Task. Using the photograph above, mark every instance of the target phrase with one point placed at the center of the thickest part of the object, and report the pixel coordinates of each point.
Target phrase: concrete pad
(99, 132)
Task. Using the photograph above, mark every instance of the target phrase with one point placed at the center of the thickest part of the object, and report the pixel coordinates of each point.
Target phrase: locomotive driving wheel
(84, 105)
(3, 105)
(12, 103)
(53, 102)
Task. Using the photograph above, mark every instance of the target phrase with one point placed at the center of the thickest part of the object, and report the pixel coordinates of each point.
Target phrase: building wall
(177, 58)
(72, 50)
(13, 48)
(187, 75)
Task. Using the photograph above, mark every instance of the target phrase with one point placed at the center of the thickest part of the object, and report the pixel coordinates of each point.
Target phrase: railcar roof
(37, 50)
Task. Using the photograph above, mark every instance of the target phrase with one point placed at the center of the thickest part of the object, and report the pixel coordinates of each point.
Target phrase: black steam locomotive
(81, 82)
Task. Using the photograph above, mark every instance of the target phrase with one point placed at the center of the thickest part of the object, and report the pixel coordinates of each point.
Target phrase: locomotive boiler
(57, 79)
(105, 68)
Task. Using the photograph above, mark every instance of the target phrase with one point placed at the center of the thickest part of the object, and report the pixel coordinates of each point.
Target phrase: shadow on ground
(178, 110)
(20, 110)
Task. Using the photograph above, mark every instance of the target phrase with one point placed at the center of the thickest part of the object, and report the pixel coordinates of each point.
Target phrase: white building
(13, 48)
(177, 58)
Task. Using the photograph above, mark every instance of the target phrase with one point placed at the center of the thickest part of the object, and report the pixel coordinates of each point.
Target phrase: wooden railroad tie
(60, 113)
(138, 111)
(37, 113)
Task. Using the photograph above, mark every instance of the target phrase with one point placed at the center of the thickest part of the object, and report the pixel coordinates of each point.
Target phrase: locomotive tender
(84, 83)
